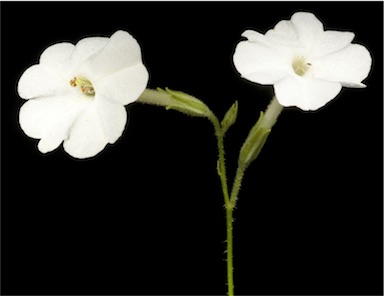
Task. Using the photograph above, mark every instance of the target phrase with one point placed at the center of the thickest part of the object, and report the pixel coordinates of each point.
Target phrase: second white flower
(307, 65)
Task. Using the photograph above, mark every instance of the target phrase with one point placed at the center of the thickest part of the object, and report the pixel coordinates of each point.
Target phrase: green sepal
(185, 103)
(254, 128)
(229, 117)
(254, 143)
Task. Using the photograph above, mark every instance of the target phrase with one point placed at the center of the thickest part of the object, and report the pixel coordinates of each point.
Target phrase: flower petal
(86, 137)
(50, 119)
(40, 81)
(349, 66)
(305, 93)
(51, 76)
(57, 56)
(254, 36)
(121, 51)
(124, 86)
(309, 29)
(261, 63)
(113, 118)
(86, 48)
(60, 130)
(283, 33)
(333, 41)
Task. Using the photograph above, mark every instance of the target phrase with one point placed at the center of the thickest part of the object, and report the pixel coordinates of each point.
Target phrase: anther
(73, 82)
(85, 85)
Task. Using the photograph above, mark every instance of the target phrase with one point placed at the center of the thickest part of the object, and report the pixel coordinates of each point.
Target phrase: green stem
(228, 207)
(230, 282)
(221, 165)
(237, 185)
(187, 104)
(268, 121)
(155, 97)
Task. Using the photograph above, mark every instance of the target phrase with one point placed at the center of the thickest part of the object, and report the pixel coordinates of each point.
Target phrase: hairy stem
(228, 208)
(192, 106)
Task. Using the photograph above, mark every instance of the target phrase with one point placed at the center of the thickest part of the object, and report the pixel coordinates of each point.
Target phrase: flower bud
(259, 133)
(230, 117)
(187, 104)
(254, 143)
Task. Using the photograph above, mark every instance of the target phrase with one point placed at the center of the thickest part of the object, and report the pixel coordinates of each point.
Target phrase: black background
(146, 215)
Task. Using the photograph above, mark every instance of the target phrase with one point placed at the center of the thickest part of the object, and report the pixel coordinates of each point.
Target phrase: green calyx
(254, 143)
(185, 103)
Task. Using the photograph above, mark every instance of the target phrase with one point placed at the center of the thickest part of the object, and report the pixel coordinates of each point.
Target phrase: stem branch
(190, 105)
(221, 165)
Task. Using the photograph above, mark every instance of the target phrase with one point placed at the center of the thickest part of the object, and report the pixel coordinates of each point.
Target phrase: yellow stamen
(84, 84)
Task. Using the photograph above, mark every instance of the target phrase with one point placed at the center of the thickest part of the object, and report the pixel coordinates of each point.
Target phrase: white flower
(77, 93)
(307, 65)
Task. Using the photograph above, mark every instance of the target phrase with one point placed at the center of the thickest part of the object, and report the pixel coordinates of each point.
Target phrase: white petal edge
(122, 51)
(308, 27)
(61, 129)
(57, 57)
(260, 63)
(284, 33)
(38, 116)
(50, 119)
(304, 93)
(113, 118)
(254, 36)
(50, 76)
(86, 137)
(349, 66)
(333, 41)
(40, 81)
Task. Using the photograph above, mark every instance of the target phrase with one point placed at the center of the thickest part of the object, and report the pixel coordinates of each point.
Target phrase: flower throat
(300, 66)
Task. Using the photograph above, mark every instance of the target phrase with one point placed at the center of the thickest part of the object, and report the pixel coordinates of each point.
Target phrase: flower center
(84, 84)
(300, 66)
